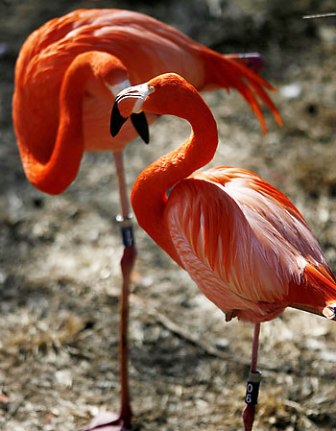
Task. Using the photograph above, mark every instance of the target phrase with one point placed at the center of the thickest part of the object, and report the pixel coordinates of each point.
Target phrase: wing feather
(242, 241)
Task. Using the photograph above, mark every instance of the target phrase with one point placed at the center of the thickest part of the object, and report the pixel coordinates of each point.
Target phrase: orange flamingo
(242, 241)
(67, 74)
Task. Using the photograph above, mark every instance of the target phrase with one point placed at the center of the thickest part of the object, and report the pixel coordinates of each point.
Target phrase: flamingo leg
(253, 382)
(127, 264)
(123, 195)
(106, 421)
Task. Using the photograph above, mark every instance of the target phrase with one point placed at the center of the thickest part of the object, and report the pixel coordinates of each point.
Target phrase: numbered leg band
(252, 388)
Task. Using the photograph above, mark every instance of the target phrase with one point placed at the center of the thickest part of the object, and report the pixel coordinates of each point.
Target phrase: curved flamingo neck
(52, 166)
(149, 193)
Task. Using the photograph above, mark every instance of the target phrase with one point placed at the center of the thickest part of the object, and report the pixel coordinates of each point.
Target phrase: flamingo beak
(134, 97)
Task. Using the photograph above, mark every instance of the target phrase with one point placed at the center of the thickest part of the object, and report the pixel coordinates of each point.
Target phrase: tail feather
(230, 72)
(316, 292)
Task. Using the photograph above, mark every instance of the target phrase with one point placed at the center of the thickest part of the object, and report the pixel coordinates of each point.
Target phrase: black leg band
(127, 235)
(252, 388)
(126, 230)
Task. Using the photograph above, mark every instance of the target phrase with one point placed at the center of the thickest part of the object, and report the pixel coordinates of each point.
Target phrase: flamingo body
(69, 70)
(246, 245)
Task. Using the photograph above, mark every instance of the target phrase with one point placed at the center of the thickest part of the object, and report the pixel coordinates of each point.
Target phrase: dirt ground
(59, 258)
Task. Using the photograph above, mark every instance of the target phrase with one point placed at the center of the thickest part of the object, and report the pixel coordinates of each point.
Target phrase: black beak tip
(139, 122)
(117, 120)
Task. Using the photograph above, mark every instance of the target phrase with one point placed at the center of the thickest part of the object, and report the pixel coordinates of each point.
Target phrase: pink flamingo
(242, 241)
(67, 75)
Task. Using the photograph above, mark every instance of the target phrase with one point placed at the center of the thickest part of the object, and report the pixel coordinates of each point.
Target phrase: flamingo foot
(107, 421)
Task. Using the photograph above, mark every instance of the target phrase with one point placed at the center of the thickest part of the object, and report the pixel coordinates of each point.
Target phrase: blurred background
(59, 256)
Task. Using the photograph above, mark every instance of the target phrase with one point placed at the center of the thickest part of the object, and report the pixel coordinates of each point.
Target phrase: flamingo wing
(242, 241)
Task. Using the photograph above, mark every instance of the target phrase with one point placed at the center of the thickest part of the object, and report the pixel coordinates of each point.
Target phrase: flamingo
(242, 241)
(67, 75)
